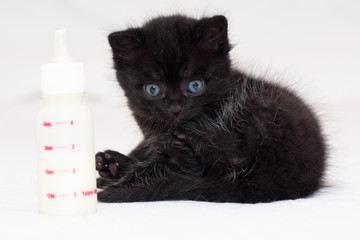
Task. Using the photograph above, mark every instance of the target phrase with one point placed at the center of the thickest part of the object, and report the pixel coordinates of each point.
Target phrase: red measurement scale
(53, 172)
(52, 148)
(51, 124)
(72, 171)
(82, 194)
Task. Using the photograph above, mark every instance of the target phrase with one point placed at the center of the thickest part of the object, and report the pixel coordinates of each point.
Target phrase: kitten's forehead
(168, 30)
(168, 40)
(167, 33)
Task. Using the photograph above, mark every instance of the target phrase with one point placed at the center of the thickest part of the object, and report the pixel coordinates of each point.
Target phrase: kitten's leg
(113, 165)
(156, 161)
(159, 167)
(143, 166)
(261, 188)
(147, 163)
(173, 188)
(182, 188)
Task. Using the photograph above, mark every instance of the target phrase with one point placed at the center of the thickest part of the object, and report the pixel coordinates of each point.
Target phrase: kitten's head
(173, 67)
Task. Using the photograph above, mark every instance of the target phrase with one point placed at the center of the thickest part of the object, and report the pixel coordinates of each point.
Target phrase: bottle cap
(62, 75)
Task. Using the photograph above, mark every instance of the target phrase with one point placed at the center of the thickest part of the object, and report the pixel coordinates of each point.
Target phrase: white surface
(313, 45)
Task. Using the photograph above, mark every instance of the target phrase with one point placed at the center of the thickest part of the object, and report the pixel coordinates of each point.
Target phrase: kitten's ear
(125, 44)
(211, 33)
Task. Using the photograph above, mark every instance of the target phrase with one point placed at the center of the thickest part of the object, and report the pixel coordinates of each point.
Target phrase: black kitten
(211, 133)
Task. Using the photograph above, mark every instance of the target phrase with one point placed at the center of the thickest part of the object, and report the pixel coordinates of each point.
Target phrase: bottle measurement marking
(52, 124)
(65, 195)
(63, 171)
(51, 148)
(62, 147)
(50, 195)
(74, 194)
(52, 171)
(88, 193)
(47, 124)
(49, 172)
(58, 123)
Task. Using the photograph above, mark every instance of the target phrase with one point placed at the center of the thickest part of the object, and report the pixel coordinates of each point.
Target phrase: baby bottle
(64, 134)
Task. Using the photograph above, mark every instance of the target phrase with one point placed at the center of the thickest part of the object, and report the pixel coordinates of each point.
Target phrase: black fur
(240, 139)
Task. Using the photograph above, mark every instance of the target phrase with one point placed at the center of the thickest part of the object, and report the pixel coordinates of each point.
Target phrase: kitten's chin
(169, 119)
(176, 119)
(172, 119)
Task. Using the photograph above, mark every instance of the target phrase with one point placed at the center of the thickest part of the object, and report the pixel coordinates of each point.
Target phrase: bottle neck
(62, 98)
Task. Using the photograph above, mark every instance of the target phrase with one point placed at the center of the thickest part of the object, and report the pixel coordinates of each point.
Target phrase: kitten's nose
(175, 108)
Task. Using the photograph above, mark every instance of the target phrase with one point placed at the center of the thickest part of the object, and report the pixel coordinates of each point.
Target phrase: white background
(313, 46)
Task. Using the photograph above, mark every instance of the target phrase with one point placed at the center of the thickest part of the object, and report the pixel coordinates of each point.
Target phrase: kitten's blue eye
(153, 90)
(195, 86)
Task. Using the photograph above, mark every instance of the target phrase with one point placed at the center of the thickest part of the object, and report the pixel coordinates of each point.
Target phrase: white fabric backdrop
(311, 45)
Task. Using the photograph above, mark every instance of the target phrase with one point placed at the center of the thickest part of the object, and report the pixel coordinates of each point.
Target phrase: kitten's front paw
(181, 140)
(111, 164)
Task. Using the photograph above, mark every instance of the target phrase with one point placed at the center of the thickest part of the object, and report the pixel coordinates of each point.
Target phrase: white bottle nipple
(61, 53)
(62, 75)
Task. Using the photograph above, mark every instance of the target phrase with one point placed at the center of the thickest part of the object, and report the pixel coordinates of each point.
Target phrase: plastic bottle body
(65, 150)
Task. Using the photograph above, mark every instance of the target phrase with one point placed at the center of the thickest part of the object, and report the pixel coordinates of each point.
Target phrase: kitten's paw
(181, 140)
(111, 164)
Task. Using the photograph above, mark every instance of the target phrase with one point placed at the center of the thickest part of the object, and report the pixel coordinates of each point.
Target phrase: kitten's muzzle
(175, 109)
